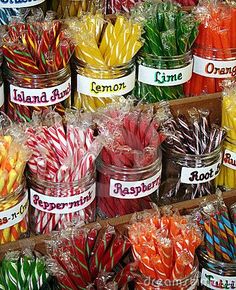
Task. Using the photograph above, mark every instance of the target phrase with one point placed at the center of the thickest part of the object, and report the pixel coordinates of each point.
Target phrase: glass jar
(54, 204)
(188, 283)
(215, 274)
(227, 177)
(11, 8)
(210, 67)
(122, 190)
(186, 176)
(26, 93)
(71, 8)
(14, 215)
(162, 77)
(94, 87)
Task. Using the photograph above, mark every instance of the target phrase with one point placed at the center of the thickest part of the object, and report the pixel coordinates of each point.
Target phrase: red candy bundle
(215, 48)
(84, 258)
(164, 245)
(129, 167)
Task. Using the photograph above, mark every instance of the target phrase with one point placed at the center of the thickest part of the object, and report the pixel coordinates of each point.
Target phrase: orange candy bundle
(165, 245)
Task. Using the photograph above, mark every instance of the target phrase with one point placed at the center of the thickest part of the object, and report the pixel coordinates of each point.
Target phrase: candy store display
(83, 257)
(72, 8)
(13, 196)
(129, 166)
(103, 67)
(23, 270)
(218, 254)
(226, 179)
(165, 245)
(62, 170)
(192, 152)
(165, 62)
(214, 51)
(37, 71)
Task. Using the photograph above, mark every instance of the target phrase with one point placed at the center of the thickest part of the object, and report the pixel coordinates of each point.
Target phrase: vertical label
(216, 282)
(1, 95)
(229, 159)
(19, 3)
(134, 189)
(14, 215)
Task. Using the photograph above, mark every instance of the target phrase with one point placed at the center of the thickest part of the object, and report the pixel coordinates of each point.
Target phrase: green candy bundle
(23, 271)
(169, 34)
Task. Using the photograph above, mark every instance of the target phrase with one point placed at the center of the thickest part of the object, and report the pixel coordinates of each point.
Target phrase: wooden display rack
(211, 102)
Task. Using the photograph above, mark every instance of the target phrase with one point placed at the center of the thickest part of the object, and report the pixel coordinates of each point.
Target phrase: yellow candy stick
(12, 176)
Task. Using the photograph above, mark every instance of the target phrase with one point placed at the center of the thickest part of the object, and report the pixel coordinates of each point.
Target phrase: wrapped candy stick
(62, 169)
(69, 245)
(129, 161)
(104, 54)
(152, 241)
(214, 45)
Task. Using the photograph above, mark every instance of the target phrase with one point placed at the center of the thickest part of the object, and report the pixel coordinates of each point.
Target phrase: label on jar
(40, 97)
(105, 88)
(19, 3)
(217, 69)
(229, 159)
(1, 95)
(15, 214)
(164, 77)
(134, 189)
(190, 175)
(214, 281)
(62, 205)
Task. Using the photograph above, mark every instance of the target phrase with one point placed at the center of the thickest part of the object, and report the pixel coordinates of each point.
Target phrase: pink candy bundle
(62, 179)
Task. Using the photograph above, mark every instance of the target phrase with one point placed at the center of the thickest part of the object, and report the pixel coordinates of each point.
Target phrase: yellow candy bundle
(227, 176)
(104, 53)
(13, 196)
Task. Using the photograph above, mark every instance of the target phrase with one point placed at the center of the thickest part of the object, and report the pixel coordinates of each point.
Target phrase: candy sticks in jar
(62, 171)
(192, 152)
(129, 166)
(103, 63)
(37, 54)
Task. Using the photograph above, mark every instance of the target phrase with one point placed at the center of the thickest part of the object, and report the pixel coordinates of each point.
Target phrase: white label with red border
(216, 282)
(40, 97)
(229, 159)
(19, 3)
(62, 205)
(164, 77)
(217, 69)
(190, 175)
(105, 88)
(134, 189)
(1, 95)
(15, 214)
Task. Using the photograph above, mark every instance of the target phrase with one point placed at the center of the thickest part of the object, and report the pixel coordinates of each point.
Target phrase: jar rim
(15, 193)
(192, 156)
(32, 177)
(164, 57)
(135, 170)
(109, 68)
(36, 76)
(203, 255)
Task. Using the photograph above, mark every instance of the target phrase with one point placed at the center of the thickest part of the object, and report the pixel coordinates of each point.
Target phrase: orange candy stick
(181, 263)
(146, 267)
(165, 249)
(159, 268)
